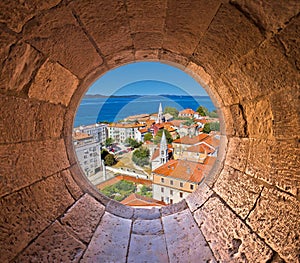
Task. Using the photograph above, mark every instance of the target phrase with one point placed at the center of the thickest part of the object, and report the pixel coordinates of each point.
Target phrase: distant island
(96, 96)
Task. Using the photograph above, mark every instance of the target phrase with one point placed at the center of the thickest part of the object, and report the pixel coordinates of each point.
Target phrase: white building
(119, 132)
(160, 155)
(98, 131)
(88, 152)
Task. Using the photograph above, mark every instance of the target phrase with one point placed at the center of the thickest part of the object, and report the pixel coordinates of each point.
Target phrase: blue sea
(113, 109)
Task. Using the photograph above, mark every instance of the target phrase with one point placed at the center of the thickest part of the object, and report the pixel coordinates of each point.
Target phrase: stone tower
(160, 115)
(163, 150)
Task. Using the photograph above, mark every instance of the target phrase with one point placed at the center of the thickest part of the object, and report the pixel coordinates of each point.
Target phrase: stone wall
(245, 53)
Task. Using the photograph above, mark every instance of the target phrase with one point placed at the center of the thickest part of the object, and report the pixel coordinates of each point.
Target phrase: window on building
(162, 199)
(171, 192)
(181, 184)
(162, 180)
(171, 182)
(192, 187)
(162, 189)
(171, 201)
(180, 194)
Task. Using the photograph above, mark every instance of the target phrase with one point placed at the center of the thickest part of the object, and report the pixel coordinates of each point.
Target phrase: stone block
(146, 40)
(199, 197)
(147, 227)
(238, 190)
(262, 72)
(229, 238)
(35, 121)
(186, 23)
(147, 248)
(83, 217)
(236, 121)
(150, 55)
(276, 220)
(174, 208)
(270, 15)
(120, 58)
(107, 23)
(229, 36)
(237, 153)
(290, 39)
(259, 119)
(285, 111)
(55, 244)
(55, 32)
(15, 14)
(7, 39)
(185, 242)
(173, 59)
(20, 67)
(24, 164)
(119, 209)
(146, 214)
(146, 16)
(26, 213)
(53, 83)
(72, 186)
(110, 241)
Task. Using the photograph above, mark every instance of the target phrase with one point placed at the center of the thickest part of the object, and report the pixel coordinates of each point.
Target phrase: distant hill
(96, 96)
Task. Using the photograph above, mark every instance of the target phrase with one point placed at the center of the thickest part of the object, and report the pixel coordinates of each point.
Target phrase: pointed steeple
(160, 114)
(163, 148)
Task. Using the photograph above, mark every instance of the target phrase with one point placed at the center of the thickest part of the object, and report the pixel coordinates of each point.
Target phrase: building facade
(98, 131)
(119, 132)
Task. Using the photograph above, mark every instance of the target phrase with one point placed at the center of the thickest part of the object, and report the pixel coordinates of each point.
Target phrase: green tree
(110, 159)
(206, 128)
(119, 190)
(213, 114)
(141, 156)
(146, 191)
(188, 122)
(108, 142)
(158, 136)
(133, 143)
(171, 110)
(104, 153)
(202, 111)
(215, 126)
(148, 137)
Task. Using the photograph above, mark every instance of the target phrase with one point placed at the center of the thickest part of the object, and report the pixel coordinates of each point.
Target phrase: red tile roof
(182, 170)
(139, 200)
(187, 111)
(81, 136)
(191, 140)
(200, 148)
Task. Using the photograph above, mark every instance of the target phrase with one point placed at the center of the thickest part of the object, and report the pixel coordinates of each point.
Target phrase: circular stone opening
(146, 134)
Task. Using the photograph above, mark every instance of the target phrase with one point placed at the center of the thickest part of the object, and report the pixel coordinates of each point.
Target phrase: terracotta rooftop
(126, 125)
(177, 123)
(143, 130)
(200, 148)
(187, 111)
(139, 200)
(182, 170)
(212, 140)
(81, 136)
(191, 140)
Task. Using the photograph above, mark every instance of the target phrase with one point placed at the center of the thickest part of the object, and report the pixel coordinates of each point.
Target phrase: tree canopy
(108, 142)
(158, 136)
(171, 110)
(119, 190)
(212, 126)
(141, 156)
(133, 143)
(109, 159)
(148, 137)
(203, 111)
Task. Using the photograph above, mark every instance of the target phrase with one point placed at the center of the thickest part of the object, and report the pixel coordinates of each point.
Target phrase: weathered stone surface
(174, 208)
(20, 67)
(83, 217)
(28, 212)
(236, 123)
(24, 164)
(72, 186)
(142, 55)
(186, 22)
(147, 227)
(54, 84)
(146, 16)
(229, 36)
(147, 40)
(107, 23)
(237, 153)
(262, 72)
(147, 248)
(185, 242)
(289, 37)
(272, 16)
(285, 111)
(229, 238)
(55, 32)
(55, 244)
(147, 214)
(7, 38)
(259, 119)
(119, 209)
(276, 220)
(35, 121)
(238, 190)
(15, 14)
(170, 58)
(120, 58)
(199, 197)
(110, 241)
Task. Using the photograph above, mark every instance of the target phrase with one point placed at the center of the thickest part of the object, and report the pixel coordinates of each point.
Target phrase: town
(149, 160)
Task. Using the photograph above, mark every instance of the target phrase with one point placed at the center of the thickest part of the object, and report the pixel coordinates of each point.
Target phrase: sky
(146, 78)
